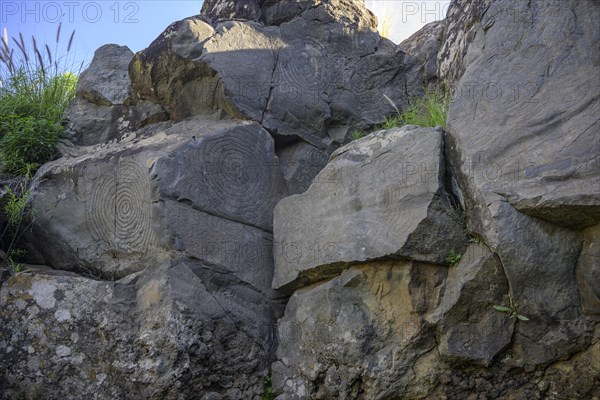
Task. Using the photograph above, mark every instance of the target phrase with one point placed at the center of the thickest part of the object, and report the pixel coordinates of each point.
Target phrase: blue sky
(132, 23)
(136, 23)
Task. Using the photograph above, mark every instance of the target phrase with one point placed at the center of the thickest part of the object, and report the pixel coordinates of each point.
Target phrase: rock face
(205, 237)
(464, 18)
(524, 172)
(300, 164)
(531, 176)
(314, 77)
(182, 220)
(173, 330)
(588, 271)
(374, 199)
(106, 81)
(121, 207)
(421, 59)
(558, 182)
(359, 333)
(102, 110)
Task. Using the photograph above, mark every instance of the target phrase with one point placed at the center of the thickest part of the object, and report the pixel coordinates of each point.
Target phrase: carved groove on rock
(119, 211)
(235, 177)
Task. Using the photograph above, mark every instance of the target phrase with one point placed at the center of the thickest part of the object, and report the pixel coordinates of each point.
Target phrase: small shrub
(453, 258)
(16, 206)
(511, 310)
(428, 111)
(17, 213)
(12, 256)
(477, 240)
(27, 141)
(391, 122)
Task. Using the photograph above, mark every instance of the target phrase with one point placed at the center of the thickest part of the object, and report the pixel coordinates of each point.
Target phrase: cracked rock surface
(211, 232)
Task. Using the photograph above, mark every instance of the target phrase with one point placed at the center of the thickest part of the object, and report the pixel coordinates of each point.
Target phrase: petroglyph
(118, 210)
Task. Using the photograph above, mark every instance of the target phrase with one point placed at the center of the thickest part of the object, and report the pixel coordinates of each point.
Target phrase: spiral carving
(239, 173)
(118, 211)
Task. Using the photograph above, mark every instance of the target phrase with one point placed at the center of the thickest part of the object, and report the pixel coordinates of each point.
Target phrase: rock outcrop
(374, 199)
(315, 77)
(182, 221)
(421, 59)
(102, 110)
(522, 302)
(212, 231)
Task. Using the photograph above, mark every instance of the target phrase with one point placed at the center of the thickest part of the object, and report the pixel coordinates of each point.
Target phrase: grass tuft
(36, 87)
(428, 111)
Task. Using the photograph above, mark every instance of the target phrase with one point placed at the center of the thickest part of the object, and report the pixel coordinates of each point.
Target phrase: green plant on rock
(428, 111)
(355, 135)
(511, 310)
(268, 388)
(15, 208)
(36, 86)
(27, 141)
(11, 258)
(17, 214)
(477, 240)
(453, 258)
(431, 110)
(391, 122)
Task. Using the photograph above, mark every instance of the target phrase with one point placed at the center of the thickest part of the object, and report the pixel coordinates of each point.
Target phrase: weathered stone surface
(106, 81)
(588, 271)
(421, 59)
(89, 123)
(358, 335)
(102, 109)
(469, 330)
(235, 175)
(276, 12)
(537, 161)
(314, 77)
(179, 330)
(104, 211)
(380, 196)
(369, 334)
(463, 20)
(231, 9)
(300, 164)
(241, 250)
(578, 377)
(539, 148)
(173, 218)
(539, 260)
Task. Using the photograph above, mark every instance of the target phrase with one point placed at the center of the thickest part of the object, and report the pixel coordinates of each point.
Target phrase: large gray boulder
(276, 12)
(180, 216)
(543, 159)
(315, 77)
(180, 329)
(421, 59)
(359, 335)
(529, 180)
(118, 208)
(106, 81)
(102, 109)
(380, 196)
